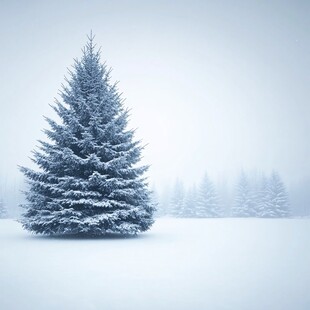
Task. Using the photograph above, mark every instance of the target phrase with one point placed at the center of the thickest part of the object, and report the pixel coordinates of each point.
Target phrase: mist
(214, 87)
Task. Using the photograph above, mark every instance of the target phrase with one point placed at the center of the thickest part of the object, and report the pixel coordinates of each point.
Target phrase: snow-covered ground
(180, 264)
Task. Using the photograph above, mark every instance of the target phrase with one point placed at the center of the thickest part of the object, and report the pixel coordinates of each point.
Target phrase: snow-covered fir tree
(3, 210)
(224, 197)
(207, 204)
(155, 202)
(190, 203)
(177, 199)
(277, 204)
(164, 201)
(89, 181)
(244, 204)
(261, 197)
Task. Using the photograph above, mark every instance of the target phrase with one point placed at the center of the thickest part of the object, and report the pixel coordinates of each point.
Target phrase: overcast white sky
(213, 85)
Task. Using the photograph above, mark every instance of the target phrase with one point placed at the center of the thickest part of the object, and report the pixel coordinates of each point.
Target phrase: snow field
(179, 264)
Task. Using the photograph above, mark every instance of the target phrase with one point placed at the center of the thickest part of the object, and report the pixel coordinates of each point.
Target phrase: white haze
(213, 86)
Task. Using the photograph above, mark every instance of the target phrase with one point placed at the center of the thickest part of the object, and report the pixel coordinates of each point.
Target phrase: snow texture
(184, 264)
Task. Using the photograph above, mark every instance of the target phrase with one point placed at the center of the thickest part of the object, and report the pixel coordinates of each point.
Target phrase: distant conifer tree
(155, 202)
(261, 197)
(244, 204)
(276, 200)
(177, 200)
(3, 210)
(190, 203)
(207, 203)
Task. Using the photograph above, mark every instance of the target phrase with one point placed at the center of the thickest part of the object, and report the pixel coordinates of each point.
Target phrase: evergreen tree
(164, 204)
(190, 203)
(177, 200)
(277, 199)
(224, 195)
(155, 202)
(207, 205)
(89, 181)
(3, 210)
(261, 197)
(244, 205)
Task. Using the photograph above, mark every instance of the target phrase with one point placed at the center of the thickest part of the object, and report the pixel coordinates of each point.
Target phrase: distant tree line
(3, 210)
(265, 197)
(249, 196)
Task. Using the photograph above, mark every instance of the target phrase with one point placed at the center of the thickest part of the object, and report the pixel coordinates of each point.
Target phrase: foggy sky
(213, 86)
